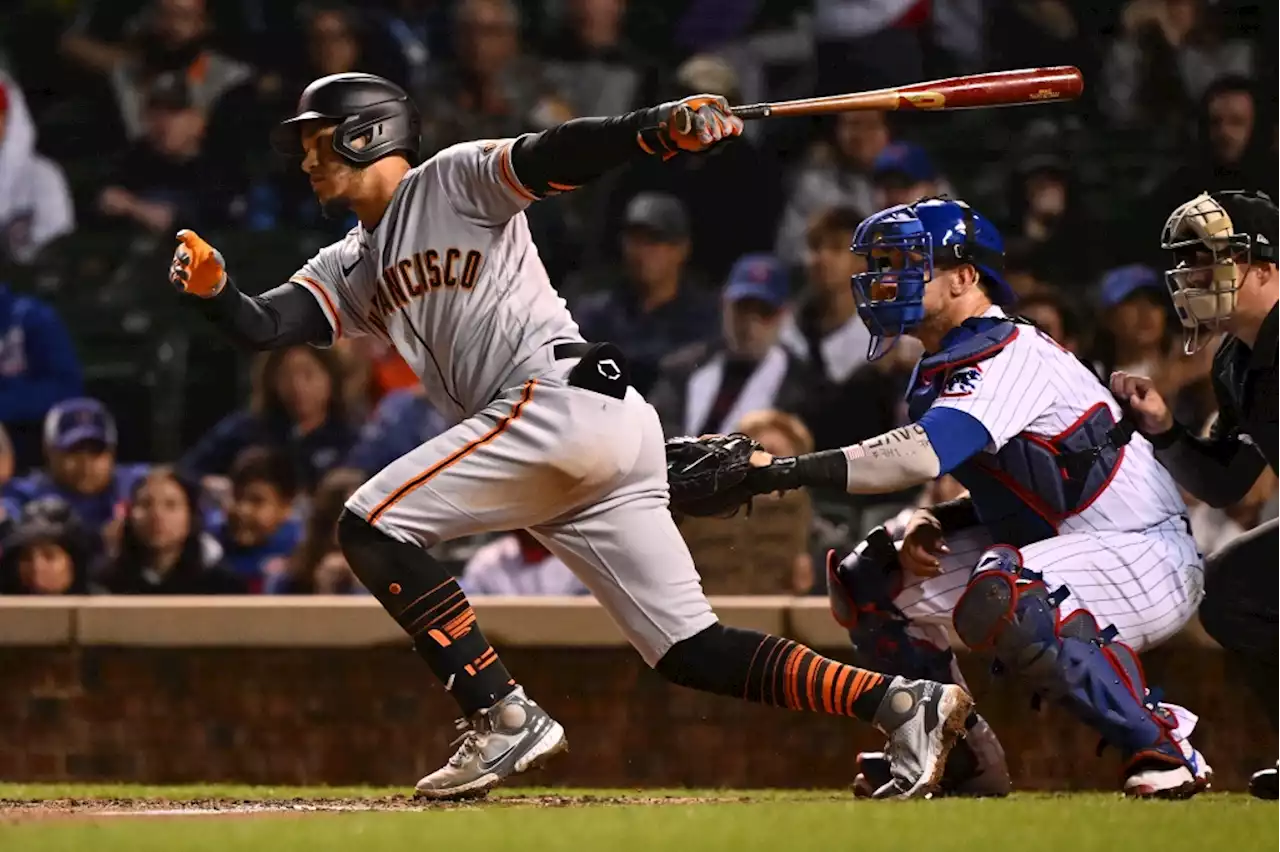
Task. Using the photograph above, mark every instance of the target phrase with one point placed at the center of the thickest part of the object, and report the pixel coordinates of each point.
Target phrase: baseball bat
(973, 91)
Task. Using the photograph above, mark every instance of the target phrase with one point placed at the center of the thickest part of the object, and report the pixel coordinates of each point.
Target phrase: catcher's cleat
(508, 738)
(1263, 783)
(1158, 774)
(975, 768)
(923, 720)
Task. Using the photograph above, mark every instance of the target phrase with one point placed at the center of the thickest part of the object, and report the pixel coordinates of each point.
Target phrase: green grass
(775, 821)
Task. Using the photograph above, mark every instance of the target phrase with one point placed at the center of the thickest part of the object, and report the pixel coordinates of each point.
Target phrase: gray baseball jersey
(450, 276)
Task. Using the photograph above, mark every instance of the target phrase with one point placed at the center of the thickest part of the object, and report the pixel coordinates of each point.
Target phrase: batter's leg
(1239, 611)
(458, 483)
(627, 550)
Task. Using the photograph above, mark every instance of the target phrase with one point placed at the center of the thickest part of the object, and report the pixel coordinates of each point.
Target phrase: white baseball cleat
(1169, 781)
(923, 720)
(508, 738)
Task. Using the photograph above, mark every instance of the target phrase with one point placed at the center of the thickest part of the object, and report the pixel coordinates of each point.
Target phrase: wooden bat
(975, 91)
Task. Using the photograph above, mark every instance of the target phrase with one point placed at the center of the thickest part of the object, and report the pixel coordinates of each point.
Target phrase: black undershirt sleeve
(568, 155)
(287, 315)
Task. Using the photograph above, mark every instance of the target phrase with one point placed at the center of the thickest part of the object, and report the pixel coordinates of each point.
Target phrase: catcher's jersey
(450, 276)
(1034, 386)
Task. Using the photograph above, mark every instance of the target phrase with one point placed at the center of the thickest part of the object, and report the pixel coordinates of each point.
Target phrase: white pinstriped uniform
(450, 276)
(1128, 558)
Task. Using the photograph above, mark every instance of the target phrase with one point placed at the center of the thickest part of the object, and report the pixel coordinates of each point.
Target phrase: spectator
(1046, 222)
(261, 529)
(297, 406)
(1235, 148)
(6, 457)
(158, 180)
(591, 63)
(317, 566)
(173, 38)
(403, 421)
(1135, 317)
(904, 174)
(44, 555)
(868, 44)
(491, 91)
(80, 464)
(741, 178)
(708, 388)
(38, 369)
(657, 309)
(164, 549)
(838, 175)
(1052, 315)
(518, 564)
(768, 553)
(35, 201)
(848, 399)
(1169, 53)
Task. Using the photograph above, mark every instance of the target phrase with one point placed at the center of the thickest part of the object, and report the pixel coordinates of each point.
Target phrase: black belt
(570, 350)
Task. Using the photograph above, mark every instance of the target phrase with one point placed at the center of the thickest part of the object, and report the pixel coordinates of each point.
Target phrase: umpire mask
(1209, 236)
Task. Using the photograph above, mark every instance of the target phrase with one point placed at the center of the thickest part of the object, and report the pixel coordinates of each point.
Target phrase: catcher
(1072, 535)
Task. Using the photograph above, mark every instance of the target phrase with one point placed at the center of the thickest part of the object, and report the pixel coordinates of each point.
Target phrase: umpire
(1224, 280)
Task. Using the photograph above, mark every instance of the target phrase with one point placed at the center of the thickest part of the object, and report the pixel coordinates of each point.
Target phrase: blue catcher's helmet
(903, 244)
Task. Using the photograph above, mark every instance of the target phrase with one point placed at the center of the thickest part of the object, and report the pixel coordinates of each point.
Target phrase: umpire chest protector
(1026, 490)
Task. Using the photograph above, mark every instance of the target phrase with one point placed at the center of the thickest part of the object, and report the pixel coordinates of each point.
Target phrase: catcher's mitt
(708, 475)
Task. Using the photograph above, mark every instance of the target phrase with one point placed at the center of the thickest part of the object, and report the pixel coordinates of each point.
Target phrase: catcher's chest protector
(1033, 483)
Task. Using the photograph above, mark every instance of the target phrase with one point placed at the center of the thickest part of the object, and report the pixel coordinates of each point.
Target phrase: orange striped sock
(787, 674)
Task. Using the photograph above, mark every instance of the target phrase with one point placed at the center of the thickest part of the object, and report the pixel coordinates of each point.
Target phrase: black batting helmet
(361, 105)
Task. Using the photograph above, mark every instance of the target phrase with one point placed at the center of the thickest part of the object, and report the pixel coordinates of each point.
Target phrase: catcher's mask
(903, 246)
(1211, 236)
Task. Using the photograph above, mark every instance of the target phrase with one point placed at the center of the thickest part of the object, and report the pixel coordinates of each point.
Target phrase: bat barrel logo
(925, 100)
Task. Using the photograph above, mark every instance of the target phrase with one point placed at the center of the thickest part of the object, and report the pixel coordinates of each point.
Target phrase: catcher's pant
(1147, 584)
(585, 473)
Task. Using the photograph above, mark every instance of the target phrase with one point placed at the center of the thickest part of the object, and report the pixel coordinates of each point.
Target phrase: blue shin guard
(861, 589)
(1006, 609)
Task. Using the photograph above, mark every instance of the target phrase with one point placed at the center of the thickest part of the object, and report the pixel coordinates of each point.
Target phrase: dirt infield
(18, 810)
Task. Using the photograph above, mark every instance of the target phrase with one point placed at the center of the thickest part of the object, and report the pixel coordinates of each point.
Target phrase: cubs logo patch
(962, 381)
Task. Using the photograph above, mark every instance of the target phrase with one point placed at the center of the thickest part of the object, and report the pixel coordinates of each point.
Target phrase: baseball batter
(549, 435)
(1072, 536)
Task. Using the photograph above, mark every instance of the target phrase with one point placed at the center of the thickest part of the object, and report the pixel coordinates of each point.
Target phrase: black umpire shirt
(1222, 468)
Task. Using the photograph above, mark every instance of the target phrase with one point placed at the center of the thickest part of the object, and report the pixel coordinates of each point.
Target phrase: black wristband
(825, 469)
(955, 514)
(1166, 439)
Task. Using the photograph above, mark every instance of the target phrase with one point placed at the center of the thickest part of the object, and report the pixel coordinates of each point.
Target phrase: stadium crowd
(724, 278)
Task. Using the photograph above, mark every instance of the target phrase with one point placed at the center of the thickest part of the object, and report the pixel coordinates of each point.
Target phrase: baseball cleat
(975, 768)
(508, 738)
(1263, 783)
(1163, 778)
(923, 720)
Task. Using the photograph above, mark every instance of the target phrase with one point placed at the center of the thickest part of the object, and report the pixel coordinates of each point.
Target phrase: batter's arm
(1219, 469)
(571, 154)
(283, 316)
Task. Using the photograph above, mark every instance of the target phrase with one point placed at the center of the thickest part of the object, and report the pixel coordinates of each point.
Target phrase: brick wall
(371, 715)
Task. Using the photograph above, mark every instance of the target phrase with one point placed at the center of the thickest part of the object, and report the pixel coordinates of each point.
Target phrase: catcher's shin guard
(1008, 610)
(861, 588)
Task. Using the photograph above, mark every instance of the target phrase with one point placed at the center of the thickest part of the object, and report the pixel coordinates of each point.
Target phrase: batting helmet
(362, 105)
(904, 244)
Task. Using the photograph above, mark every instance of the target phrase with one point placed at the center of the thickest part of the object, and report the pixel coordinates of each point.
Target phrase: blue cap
(758, 276)
(904, 158)
(1122, 282)
(75, 421)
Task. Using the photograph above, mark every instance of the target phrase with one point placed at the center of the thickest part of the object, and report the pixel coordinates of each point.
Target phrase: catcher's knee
(861, 589)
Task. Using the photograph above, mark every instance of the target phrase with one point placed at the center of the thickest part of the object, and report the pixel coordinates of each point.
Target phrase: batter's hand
(923, 545)
(1139, 395)
(197, 267)
(694, 124)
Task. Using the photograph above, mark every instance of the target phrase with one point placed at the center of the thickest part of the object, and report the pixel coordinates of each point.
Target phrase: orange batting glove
(197, 267)
(694, 124)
